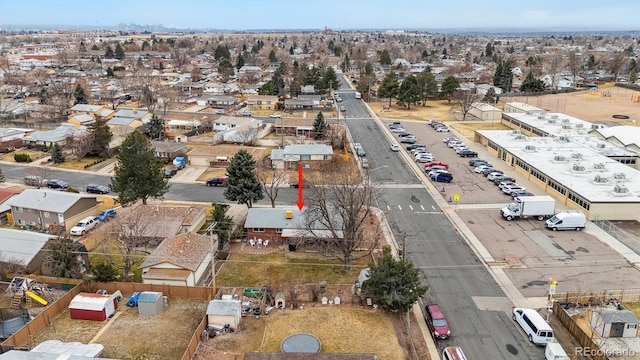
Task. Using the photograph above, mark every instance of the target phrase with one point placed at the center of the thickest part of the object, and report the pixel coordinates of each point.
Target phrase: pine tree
(56, 154)
(79, 95)
(139, 174)
(319, 127)
(242, 182)
(156, 128)
(101, 136)
(223, 224)
(110, 72)
(239, 61)
(408, 92)
(389, 86)
(119, 53)
(272, 56)
(108, 52)
(449, 85)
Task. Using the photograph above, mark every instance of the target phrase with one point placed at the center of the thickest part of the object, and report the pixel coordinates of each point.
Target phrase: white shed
(615, 323)
(222, 312)
(485, 112)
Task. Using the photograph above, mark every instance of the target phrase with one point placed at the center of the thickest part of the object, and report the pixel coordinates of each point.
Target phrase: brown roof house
(183, 260)
(41, 209)
(307, 155)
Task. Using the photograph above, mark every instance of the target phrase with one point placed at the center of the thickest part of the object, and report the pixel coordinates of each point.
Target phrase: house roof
(186, 250)
(308, 149)
(168, 146)
(274, 218)
(166, 274)
(46, 200)
(224, 307)
(277, 154)
(625, 316)
(84, 118)
(11, 132)
(7, 193)
(58, 134)
(90, 301)
(289, 122)
(131, 113)
(86, 107)
(121, 121)
(21, 245)
(165, 220)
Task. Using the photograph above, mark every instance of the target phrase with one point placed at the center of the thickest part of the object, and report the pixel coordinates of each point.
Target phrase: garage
(95, 307)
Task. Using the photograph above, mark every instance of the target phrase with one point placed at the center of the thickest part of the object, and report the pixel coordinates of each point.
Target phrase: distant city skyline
(335, 14)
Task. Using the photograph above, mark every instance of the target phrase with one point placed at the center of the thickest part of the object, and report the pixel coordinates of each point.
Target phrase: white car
(418, 149)
(453, 143)
(425, 159)
(481, 168)
(447, 139)
(442, 129)
(84, 225)
(513, 188)
(494, 175)
(434, 172)
(423, 153)
(504, 184)
(275, 116)
(395, 147)
(397, 129)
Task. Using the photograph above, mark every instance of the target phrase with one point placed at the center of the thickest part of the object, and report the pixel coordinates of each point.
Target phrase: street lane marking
(428, 212)
(422, 207)
(411, 207)
(400, 207)
(433, 207)
(388, 208)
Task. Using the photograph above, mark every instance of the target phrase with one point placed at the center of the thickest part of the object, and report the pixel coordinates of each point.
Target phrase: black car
(492, 170)
(57, 184)
(305, 184)
(169, 173)
(500, 179)
(216, 181)
(415, 146)
(468, 153)
(404, 133)
(476, 162)
(97, 189)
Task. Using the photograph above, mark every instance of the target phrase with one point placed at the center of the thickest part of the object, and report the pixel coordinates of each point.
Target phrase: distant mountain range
(531, 31)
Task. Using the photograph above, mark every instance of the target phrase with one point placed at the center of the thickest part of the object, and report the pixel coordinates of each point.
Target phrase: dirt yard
(339, 329)
(128, 336)
(435, 109)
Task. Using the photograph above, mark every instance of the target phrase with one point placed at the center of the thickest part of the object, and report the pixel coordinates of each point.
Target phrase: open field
(435, 109)
(467, 129)
(128, 335)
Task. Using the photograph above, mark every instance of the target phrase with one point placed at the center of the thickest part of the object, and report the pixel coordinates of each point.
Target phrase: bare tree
(246, 136)
(147, 85)
(574, 62)
(338, 214)
(131, 242)
(464, 100)
(616, 63)
(271, 179)
(79, 145)
(555, 62)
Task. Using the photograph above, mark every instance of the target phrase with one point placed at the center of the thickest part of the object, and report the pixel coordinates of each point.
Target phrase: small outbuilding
(150, 303)
(96, 307)
(222, 312)
(615, 323)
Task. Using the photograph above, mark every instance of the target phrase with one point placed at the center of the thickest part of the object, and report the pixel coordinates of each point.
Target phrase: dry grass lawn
(35, 155)
(340, 329)
(75, 164)
(210, 173)
(435, 109)
(467, 129)
(635, 307)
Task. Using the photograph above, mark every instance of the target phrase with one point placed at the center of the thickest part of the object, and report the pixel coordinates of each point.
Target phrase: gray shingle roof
(58, 134)
(86, 107)
(223, 307)
(46, 200)
(122, 121)
(625, 316)
(21, 245)
(186, 250)
(131, 113)
(308, 149)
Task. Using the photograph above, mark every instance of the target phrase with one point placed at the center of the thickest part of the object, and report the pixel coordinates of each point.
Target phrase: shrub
(98, 161)
(72, 190)
(22, 158)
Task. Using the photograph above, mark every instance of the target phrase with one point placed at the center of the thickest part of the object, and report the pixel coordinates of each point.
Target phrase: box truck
(567, 220)
(540, 207)
(554, 351)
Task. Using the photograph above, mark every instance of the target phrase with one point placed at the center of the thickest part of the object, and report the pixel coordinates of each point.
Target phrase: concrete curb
(426, 334)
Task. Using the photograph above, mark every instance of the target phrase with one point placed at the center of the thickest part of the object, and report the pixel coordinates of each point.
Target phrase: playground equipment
(23, 290)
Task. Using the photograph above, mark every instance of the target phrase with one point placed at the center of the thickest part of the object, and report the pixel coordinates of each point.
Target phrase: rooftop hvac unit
(554, 117)
(619, 176)
(577, 167)
(620, 189)
(551, 121)
(599, 166)
(515, 132)
(579, 126)
(565, 121)
(601, 146)
(530, 148)
(559, 158)
(563, 138)
(566, 126)
(576, 156)
(521, 137)
(527, 113)
(541, 117)
(600, 179)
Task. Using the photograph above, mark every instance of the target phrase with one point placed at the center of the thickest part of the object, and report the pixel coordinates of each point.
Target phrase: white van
(554, 351)
(567, 220)
(84, 225)
(453, 353)
(536, 328)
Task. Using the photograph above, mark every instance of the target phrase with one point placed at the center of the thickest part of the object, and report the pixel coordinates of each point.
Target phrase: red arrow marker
(300, 202)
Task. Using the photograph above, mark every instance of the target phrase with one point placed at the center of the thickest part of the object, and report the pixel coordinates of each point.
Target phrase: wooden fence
(622, 296)
(195, 340)
(172, 291)
(576, 331)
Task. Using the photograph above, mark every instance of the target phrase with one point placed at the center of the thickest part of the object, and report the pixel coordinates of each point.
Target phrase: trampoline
(301, 343)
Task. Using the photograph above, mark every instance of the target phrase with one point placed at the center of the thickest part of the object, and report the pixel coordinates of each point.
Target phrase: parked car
(473, 162)
(491, 171)
(468, 153)
(413, 146)
(517, 194)
(436, 172)
(459, 149)
(418, 151)
(441, 177)
(397, 129)
(404, 133)
(33, 180)
(436, 322)
(106, 215)
(447, 139)
(342, 108)
(481, 168)
(245, 113)
(305, 184)
(359, 149)
(97, 189)
(408, 140)
(57, 184)
(216, 181)
(435, 167)
(395, 147)
(219, 112)
(169, 173)
(84, 225)
(442, 129)
(430, 164)
(275, 116)
(395, 124)
(424, 158)
(502, 184)
(491, 176)
(364, 162)
(508, 189)
(500, 179)
(453, 143)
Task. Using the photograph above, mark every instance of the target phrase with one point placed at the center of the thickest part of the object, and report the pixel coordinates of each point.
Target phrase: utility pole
(213, 258)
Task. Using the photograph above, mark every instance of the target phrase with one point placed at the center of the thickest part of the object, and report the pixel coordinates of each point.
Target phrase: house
(5, 209)
(24, 248)
(482, 89)
(281, 223)
(221, 101)
(219, 156)
(225, 123)
(615, 323)
(133, 118)
(95, 307)
(8, 134)
(86, 109)
(262, 102)
(81, 119)
(294, 127)
(44, 208)
(307, 155)
(168, 150)
(222, 312)
(183, 259)
(58, 135)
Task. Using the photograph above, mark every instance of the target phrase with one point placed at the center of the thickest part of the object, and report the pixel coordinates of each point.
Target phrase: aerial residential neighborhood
(220, 187)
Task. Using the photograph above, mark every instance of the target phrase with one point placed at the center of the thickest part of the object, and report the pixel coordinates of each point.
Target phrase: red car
(432, 163)
(437, 324)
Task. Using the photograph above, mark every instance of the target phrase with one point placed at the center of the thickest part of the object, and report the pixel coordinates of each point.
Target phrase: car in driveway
(170, 173)
(275, 116)
(395, 147)
(84, 225)
(468, 153)
(441, 177)
(481, 168)
(97, 189)
(305, 184)
(216, 181)
(106, 215)
(57, 184)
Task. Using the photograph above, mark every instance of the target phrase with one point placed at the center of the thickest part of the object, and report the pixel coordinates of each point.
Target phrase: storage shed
(615, 323)
(96, 307)
(485, 112)
(150, 303)
(222, 312)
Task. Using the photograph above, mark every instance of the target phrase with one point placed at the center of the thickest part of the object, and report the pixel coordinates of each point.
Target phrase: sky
(335, 14)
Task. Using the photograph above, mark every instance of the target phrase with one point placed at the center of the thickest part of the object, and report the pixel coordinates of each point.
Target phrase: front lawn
(76, 164)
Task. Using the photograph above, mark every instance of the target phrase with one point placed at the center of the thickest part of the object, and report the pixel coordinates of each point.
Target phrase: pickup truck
(106, 215)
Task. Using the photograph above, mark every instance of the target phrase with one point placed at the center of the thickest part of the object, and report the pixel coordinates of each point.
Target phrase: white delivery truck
(554, 351)
(567, 220)
(540, 207)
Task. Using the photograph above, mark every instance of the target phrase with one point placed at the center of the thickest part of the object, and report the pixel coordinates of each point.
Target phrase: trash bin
(292, 247)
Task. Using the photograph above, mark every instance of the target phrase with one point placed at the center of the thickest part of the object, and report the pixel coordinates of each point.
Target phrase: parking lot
(529, 253)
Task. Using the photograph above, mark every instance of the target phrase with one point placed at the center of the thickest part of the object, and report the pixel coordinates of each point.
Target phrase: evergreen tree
(272, 56)
(239, 61)
(395, 284)
(156, 128)
(119, 53)
(531, 84)
(56, 154)
(139, 174)
(104, 272)
(368, 68)
(101, 137)
(389, 86)
(223, 224)
(503, 77)
(242, 181)
(140, 63)
(95, 47)
(110, 72)
(319, 127)
(449, 85)
(488, 51)
(409, 92)
(108, 52)
(633, 76)
(490, 97)
(266, 89)
(428, 85)
(79, 95)
(329, 76)
(221, 52)
(385, 58)
(2, 178)
(63, 258)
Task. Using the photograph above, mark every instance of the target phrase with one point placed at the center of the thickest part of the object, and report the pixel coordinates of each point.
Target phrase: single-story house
(294, 127)
(217, 156)
(482, 89)
(222, 312)
(224, 122)
(95, 307)
(221, 101)
(280, 223)
(87, 109)
(178, 127)
(615, 323)
(183, 259)
(124, 121)
(168, 150)
(307, 155)
(8, 134)
(262, 102)
(58, 135)
(485, 112)
(23, 248)
(81, 119)
(43, 208)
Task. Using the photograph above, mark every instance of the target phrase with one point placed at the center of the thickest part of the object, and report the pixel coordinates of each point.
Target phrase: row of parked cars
(506, 184)
(438, 126)
(37, 181)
